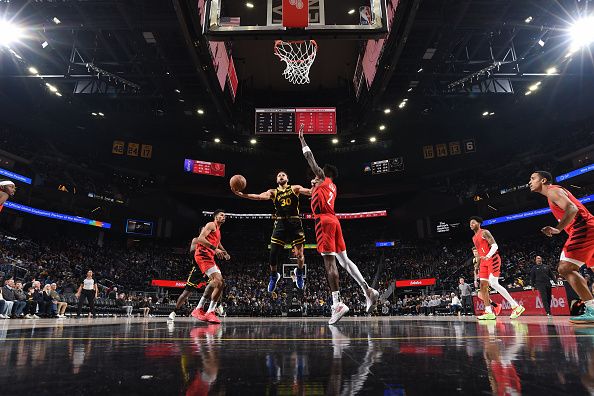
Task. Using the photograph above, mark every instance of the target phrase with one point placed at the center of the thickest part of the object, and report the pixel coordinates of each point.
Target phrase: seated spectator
(31, 303)
(124, 304)
(45, 310)
(58, 305)
(455, 305)
(8, 295)
(144, 307)
(20, 295)
(6, 306)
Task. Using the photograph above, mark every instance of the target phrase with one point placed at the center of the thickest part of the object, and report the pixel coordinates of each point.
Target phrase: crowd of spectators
(46, 273)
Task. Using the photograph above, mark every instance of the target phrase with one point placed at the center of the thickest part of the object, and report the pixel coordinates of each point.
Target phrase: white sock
(589, 303)
(488, 309)
(494, 283)
(201, 302)
(353, 270)
(335, 297)
(212, 306)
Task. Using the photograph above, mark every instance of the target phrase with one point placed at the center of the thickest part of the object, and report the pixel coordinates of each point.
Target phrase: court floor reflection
(303, 357)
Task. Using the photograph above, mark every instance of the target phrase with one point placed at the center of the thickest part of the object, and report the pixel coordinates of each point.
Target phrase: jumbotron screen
(281, 121)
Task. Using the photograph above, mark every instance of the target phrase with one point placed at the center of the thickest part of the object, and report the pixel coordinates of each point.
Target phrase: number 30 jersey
(286, 203)
(323, 197)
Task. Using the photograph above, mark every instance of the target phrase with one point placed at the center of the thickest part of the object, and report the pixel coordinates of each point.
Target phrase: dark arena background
(122, 123)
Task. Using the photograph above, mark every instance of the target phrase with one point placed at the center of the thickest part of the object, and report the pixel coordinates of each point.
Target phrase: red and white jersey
(323, 197)
(583, 215)
(214, 238)
(481, 244)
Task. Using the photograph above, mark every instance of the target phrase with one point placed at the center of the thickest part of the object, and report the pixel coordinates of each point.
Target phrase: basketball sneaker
(171, 316)
(199, 314)
(497, 309)
(517, 312)
(371, 297)
(586, 318)
(487, 316)
(211, 317)
(273, 281)
(338, 311)
(298, 278)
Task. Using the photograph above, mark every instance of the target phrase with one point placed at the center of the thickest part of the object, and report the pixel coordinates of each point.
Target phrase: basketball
(237, 183)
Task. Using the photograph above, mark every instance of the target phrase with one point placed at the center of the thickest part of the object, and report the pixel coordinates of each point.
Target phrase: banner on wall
(529, 299)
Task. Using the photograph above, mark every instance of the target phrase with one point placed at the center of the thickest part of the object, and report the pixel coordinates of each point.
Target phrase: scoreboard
(384, 166)
(280, 121)
(204, 167)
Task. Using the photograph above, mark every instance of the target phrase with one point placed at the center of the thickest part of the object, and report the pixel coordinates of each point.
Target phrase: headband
(6, 183)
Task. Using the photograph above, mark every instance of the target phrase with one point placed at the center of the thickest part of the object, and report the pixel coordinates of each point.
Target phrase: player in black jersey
(288, 229)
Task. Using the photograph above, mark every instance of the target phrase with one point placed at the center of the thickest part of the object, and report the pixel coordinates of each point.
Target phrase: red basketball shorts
(329, 235)
(579, 247)
(491, 266)
(205, 261)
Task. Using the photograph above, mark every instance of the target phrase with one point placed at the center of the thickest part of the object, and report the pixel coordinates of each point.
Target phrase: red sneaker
(497, 309)
(211, 317)
(199, 314)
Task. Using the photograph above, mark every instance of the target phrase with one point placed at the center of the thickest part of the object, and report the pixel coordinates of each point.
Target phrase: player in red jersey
(329, 234)
(489, 270)
(207, 246)
(578, 223)
(7, 190)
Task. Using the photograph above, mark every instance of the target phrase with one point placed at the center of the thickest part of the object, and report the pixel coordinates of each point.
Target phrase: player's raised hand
(549, 231)
(301, 126)
(238, 193)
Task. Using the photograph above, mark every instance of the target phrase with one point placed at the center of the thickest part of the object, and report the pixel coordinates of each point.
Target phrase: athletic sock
(212, 306)
(335, 297)
(488, 309)
(201, 302)
(589, 303)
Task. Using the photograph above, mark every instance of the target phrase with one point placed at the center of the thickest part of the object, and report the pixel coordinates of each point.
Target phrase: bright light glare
(9, 33)
(387, 111)
(533, 87)
(351, 12)
(582, 33)
(552, 70)
(200, 111)
(334, 141)
(486, 113)
(253, 141)
(528, 20)
(56, 21)
(353, 141)
(33, 70)
(372, 139)
(249, 5)
(217, 140)
(382, 127)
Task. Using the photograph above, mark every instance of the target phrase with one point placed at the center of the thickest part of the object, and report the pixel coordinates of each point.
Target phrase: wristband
(306, 149)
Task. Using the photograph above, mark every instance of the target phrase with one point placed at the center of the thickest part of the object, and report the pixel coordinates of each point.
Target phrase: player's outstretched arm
(319, 172)
(265, 196)
(299, 190)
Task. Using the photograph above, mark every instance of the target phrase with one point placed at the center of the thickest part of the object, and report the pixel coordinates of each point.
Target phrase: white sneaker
(35, 317)
(338, 311)
(172, 316)
(371, 298)
(28, 316)
(2, 316)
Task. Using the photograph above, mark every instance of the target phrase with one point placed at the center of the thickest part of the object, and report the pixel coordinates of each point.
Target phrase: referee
(87, 290)
(540, 278)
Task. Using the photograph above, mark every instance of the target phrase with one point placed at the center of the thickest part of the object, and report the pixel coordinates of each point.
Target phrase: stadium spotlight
(101, 114)
(217, 140)
(58, 94)
(353, 140)
(177, 90)
(528, 20)
(528, 93)
(9, 33)
(352, 11)
(94, 113)
(552, 70)
(382, 127)
(581, 33)
(249, 5)
(56, 21)
(335, 141)
(485, 113)
(402, 104)
(200, 111)
(44, 44)
(387, 111)
(420, 70)
(534, 87)
(372, 139)
(409, 90)
(253, 141)
(33, 70)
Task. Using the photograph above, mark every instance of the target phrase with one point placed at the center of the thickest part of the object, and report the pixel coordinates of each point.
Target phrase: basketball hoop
(298, 56)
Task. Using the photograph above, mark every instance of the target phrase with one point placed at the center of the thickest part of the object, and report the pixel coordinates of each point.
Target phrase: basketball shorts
(579, 247)
(205, 261)
(329, 235)
(490, 267)
(196, 280)
(288, 232)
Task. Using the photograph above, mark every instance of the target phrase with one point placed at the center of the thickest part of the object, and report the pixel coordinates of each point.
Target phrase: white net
(298, 56)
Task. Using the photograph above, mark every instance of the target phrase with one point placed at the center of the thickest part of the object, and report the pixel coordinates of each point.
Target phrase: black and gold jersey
(286, 203)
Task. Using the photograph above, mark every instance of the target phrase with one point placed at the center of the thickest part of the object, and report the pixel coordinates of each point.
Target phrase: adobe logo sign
(531, 300)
